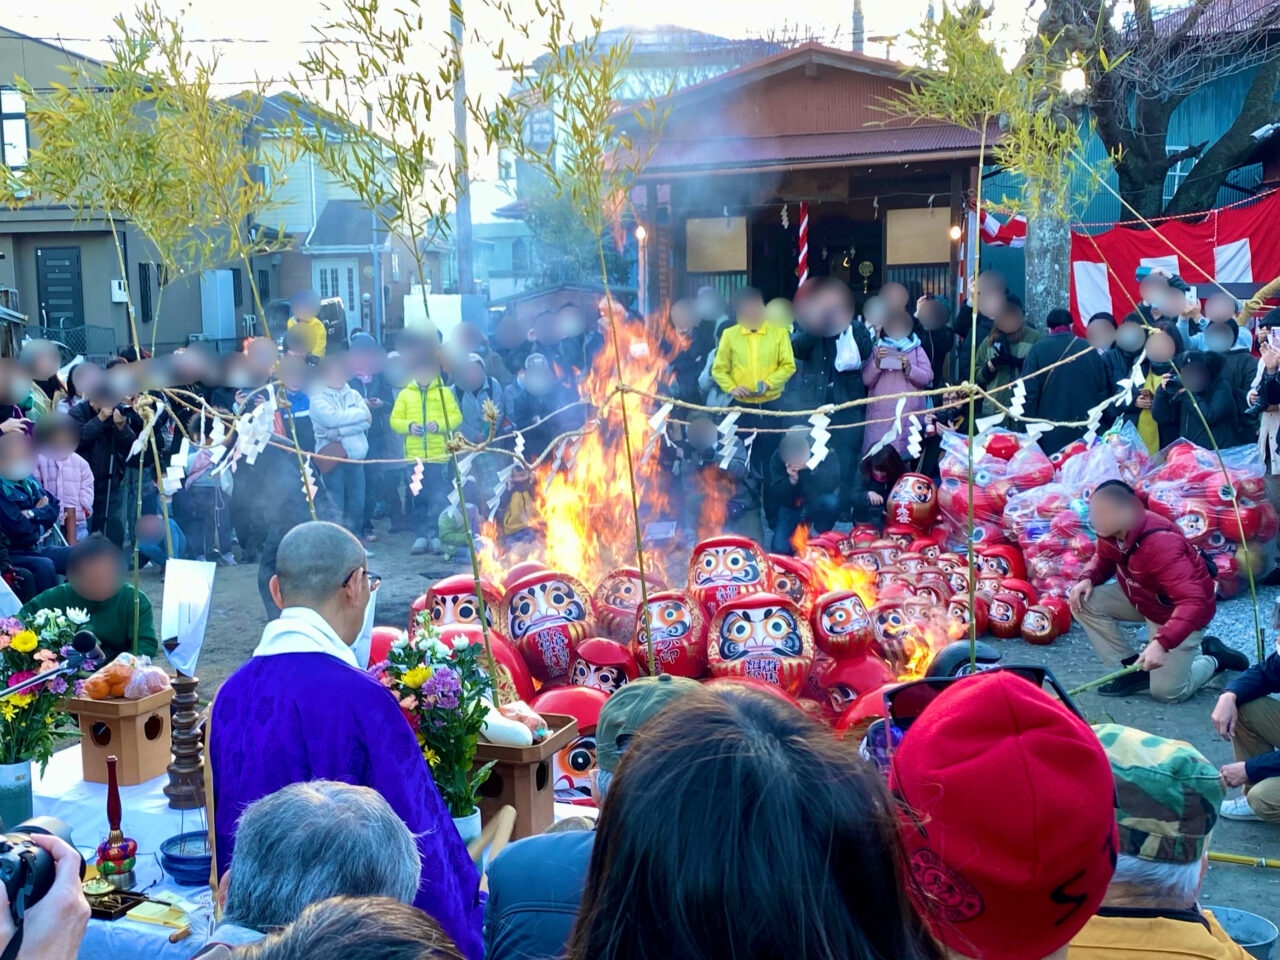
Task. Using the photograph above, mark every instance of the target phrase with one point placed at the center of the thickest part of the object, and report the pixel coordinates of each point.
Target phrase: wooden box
(522, 777)
(135, 732)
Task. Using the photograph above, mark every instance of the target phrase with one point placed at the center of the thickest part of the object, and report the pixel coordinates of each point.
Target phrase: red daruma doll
(761, 637)
(913, 501)
(548, 614)
(604, 664)
(616, 598)
(675, 623)
(723, 568)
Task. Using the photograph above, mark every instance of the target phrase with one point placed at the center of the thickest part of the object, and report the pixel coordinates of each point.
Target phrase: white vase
(15, 793)
(468, 827)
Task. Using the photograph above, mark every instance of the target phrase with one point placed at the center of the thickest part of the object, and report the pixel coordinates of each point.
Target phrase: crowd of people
(730, 824)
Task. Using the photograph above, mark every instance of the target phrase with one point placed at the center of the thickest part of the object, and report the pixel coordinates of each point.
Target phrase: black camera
(27, 870)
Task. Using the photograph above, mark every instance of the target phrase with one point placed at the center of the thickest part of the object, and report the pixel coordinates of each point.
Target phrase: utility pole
(462, 226)
(379, 318)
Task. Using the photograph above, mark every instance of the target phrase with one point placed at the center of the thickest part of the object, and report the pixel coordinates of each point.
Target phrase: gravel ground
(237, 618)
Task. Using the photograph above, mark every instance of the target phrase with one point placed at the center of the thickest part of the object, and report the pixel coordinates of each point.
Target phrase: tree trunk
(1048, 261)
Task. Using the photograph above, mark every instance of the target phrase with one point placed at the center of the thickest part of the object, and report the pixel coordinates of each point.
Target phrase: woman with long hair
(738, 828)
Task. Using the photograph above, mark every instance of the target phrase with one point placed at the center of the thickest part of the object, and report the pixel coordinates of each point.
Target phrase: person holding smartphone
(898, 365)
(1264, 399)
(1001, 354)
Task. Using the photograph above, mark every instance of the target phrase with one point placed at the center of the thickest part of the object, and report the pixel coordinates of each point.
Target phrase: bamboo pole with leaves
(967, 83)
(594, 161)
(401, 170)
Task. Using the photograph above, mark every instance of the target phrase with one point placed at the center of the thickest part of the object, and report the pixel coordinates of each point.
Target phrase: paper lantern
(547, 614)
(761, 636)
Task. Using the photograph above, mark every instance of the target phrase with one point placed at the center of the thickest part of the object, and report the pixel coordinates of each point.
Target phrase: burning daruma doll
(724, 568)
(616, 598)
(761, 636)
(547, 615)
(678, 629)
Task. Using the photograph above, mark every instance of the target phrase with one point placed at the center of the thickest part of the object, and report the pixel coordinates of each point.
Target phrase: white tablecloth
(63, 793)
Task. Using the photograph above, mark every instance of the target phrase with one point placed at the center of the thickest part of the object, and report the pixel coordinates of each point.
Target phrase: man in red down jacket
(1160, 577)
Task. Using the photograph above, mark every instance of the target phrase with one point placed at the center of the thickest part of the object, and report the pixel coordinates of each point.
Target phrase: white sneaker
(1237, 808)
(419, 546)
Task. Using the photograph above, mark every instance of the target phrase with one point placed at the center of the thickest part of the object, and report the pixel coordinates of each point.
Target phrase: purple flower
(57, 686)
(66, 651)
(79, 688)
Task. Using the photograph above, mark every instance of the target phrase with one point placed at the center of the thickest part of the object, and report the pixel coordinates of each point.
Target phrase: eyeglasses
(374, 578)
(904, 704)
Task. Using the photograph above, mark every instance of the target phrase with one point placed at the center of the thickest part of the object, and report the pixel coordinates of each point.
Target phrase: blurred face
(470, 376)
(991, 294)
(396, 372)
(1219, 338)
(794, 452)
(1152, 288)
(334, 374)
(1220, 308)
(931, 314)
(1160, 346)
(238, 374)
(1109, 517)
(683, 318)
(86, 377)
(509, 333)
(425, 372)
(261, 356)
(1130, 337)
(897, 325)
(751, 313)
(43, 362)
(874, 312)
(150, 528)
(97, 579)
(17, 458)
(60, 445)
(367, 360)
(1100, 334)
(1009, 320)
(468, 337)
(702, 434)
(570, 322)
(1195, 377)
(293, 373)
(895, 295)
(544, 329)
(305, 304)
(710, 305)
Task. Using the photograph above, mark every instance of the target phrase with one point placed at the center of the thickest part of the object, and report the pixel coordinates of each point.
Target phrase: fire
(926, 636)
(581, 490)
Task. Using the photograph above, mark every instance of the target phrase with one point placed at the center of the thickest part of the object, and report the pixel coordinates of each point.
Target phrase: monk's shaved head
(313, 560)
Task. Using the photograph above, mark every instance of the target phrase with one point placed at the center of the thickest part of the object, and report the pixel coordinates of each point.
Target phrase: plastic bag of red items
(1186, 484)
(1051, 523)
(1005, 464)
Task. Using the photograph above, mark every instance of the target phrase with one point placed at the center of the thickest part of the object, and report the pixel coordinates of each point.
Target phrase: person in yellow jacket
(753, 363)
(305, 308)
(426, 413)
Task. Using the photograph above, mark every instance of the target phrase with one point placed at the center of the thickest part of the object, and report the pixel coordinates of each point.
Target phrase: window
(519, 256)
(13, 128)
(1177, 173)
(264, 285)
(146, 308)
(237, 286)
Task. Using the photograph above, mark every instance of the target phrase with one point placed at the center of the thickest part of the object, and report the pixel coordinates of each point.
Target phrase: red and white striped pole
(803, 269)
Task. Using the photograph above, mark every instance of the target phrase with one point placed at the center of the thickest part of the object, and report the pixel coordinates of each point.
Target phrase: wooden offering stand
(135, 731)
(523, 777)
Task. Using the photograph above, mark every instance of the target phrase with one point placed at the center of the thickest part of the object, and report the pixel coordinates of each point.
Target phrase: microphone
(85, 643)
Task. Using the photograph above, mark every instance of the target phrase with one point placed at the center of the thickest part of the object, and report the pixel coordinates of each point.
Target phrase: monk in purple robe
(302, 709)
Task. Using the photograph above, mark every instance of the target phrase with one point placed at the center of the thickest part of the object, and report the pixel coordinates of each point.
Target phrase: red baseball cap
(1007, 818)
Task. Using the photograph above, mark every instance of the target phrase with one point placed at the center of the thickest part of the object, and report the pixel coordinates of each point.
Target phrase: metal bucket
(1256, 934)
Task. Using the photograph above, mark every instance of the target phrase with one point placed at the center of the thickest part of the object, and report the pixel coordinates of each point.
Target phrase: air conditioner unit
(119, 292)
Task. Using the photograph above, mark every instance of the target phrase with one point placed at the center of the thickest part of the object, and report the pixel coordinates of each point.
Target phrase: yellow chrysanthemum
(21, 700)
(8, 710)
(25, 641)
(416, 677)
(431, 756)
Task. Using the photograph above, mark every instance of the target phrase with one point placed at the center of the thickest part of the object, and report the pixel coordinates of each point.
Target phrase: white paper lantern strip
(309, 480)
(915, 438)
(820, 438)
(1095, 421)
(1018, 401)
(983, 424)
(415, 478)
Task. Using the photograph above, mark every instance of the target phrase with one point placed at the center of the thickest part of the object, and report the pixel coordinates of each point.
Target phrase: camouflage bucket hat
(1167, 794)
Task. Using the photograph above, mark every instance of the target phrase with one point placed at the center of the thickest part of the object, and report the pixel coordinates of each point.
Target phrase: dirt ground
(237, 618)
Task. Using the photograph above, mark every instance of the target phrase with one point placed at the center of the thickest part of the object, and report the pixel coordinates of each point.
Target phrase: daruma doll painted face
(547, 615)
(841, 624)
(723, 568)
(452, 602)
(616, 598)
(678, 629)
(604, 664)
(762, 637)
(913, 501)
